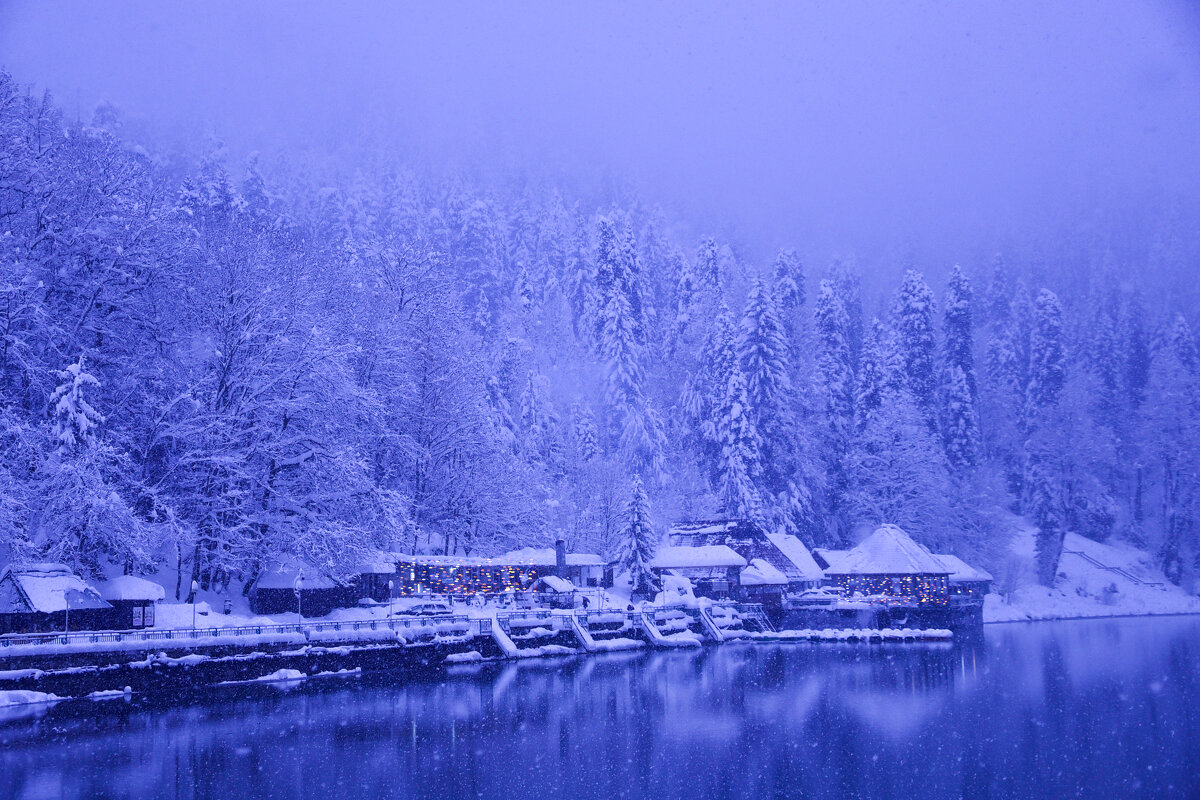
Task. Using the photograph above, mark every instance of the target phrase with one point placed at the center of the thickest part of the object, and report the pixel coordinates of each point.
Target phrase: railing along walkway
(157, 635)
(1115, 570)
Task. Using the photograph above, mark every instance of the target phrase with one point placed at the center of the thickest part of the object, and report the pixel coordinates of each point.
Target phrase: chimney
(560, 558)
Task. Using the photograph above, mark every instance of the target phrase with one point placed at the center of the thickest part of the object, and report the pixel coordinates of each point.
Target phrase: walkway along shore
(157, 660)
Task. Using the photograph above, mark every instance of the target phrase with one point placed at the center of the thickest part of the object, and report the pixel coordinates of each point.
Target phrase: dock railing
(162, 635)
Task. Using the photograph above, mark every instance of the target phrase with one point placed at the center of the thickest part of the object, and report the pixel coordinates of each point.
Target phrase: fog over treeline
(292, 280)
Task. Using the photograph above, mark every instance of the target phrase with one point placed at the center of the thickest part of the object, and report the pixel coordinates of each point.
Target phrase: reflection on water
(1096, 709)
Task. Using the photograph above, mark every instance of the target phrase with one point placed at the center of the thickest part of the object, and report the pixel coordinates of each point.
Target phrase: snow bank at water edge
(609, 645)
(23, 697)
(1095, 580)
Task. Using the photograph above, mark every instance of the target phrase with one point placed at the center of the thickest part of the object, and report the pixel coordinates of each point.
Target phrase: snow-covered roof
(798, 554)
(555, 583)
(830, 557)
(961, 570)
(446, 561)
(711, 555)
(544, 557)
(283, 576)
(48, 588)
(760, 573)
(131, 587)
(704, 527)
(888, 551)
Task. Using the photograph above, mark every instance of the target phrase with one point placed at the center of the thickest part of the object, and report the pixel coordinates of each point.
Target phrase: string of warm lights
(423, 578)
(898, 589)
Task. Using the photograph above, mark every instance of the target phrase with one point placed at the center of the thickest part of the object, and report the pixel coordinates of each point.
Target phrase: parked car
(822, 596)
(430, 608)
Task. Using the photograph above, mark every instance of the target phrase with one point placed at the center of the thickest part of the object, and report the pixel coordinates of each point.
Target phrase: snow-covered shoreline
(1096, 580)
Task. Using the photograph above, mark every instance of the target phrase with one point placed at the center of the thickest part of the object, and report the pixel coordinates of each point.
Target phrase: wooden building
(713, 569)
(888, 563)
(290, 589)
(760, 582)
(582, 569)
(784, 552)
(44, 598)
(966, 581)
(133, 601)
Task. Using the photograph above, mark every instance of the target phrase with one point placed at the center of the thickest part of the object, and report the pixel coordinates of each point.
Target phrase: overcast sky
(840, 124)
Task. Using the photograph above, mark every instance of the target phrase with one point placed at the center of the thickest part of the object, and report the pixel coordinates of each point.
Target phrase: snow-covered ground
(1084, 589)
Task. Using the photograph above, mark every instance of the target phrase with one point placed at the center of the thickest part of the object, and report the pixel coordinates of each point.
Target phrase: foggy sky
(826, 125)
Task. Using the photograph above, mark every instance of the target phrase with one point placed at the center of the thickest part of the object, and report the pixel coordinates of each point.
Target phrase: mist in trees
(208, 363)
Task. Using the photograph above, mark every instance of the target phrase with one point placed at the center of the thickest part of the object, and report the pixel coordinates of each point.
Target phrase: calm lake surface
(1107, 708)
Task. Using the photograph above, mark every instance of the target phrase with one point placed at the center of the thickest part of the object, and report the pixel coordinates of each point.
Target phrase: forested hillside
(207, 364)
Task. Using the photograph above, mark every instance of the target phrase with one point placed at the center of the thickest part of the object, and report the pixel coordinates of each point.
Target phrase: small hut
(43, 598)
(760, 582)
(371, 579)
(288, 588)
(553, 592)
(581, 569)
(713, 569)
(748, 539)
(966, 581)
(889, 563)
(133, 601)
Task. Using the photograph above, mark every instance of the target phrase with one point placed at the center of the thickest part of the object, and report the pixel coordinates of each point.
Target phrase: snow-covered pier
(162, 659)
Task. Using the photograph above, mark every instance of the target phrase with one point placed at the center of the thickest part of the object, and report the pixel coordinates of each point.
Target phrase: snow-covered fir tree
(74, 420)
(917, 337)
(637, 540)
(1047, 368)
(738, 464)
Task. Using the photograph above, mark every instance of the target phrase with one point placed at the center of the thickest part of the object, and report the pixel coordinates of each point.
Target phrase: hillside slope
(1131, 584)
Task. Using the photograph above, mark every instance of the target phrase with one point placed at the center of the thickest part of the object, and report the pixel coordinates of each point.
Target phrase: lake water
(1106, 708)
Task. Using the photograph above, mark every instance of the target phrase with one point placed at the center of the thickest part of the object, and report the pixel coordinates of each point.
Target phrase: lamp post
(299, 614)
(67, 620)
(391, 585)
(195, 588)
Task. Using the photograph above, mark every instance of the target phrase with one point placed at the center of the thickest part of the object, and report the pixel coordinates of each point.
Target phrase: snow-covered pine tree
(848, 283)
(959, 329)
(1183, 344)
(1135, 346)
(869, 383)
(1170, 442)
(705, 388)
(685, 293)
(788, 275)
(641, 438)
(708, 265)
(74, 421)
(637, 540)
(738, 465)
(1047, 368)
(834, 367)
(763, 353)
(587, 438)
(1045, 507)
(608, 279)
(631, 283)
(960, 422)
(914, 313)
(1105, 362)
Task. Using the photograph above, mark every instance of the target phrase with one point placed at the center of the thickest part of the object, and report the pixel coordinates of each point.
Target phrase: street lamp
(195, 588)
(67, 621)
(391, 585)
(299, 581)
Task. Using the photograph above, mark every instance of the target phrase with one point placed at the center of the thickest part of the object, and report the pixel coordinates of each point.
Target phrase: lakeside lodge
(887, 580)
